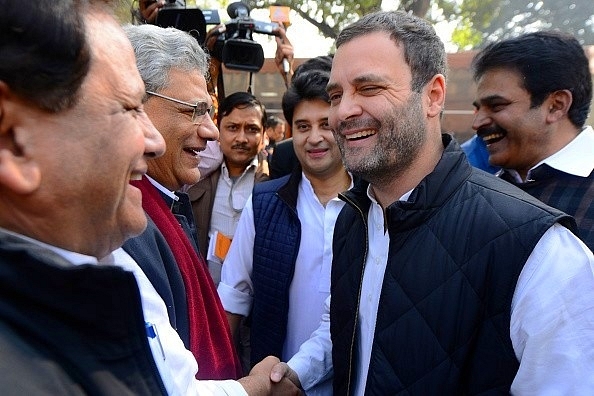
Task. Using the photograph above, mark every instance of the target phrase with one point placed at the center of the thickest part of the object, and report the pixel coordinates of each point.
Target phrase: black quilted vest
(70, 329)
(276, 244)
(456, 251)
(571, 194)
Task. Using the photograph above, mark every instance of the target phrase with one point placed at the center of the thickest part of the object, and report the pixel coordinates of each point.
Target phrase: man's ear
(18, 171)
(558, 104)
(435, 95)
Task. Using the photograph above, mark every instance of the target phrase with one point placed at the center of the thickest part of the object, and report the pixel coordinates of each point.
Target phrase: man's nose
(208, 130)
(481, 119)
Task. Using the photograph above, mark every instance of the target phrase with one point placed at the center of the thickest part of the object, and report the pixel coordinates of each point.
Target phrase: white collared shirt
(576, 158)
(230, 198)
(176, 364)
(310, 286)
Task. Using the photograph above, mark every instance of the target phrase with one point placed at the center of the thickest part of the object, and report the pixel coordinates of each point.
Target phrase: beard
(400, 135)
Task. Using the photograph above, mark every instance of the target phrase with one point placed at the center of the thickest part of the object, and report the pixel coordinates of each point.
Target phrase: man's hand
(258, 382)
(282, 371)
(150, 8)
(212, 35)
(210, 42)
(284, 54)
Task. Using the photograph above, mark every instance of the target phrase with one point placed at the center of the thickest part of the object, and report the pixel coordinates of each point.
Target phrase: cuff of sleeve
(234, 301)
(302, 368)
(222, 388)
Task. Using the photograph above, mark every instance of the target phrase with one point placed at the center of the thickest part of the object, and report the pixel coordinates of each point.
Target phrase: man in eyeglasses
(218, 199)
(173, 67)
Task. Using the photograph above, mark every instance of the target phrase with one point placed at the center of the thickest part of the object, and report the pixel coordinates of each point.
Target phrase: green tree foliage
(328, 16)
(483, 21)
(475, 21)
(331, 16)
(512, 17)
(124, 10)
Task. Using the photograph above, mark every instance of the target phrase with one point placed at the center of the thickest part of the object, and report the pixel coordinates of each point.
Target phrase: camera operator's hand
(284, 54)
(212, 35)
(215, 63)
(149, 9)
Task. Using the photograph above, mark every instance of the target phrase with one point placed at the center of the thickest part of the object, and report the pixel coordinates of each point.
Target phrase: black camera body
(235, 46)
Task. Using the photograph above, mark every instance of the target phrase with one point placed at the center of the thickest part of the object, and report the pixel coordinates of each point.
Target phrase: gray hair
(159, 50)
(424, 51)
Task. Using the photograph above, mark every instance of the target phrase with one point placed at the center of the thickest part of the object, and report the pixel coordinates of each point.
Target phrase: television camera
(235, 46)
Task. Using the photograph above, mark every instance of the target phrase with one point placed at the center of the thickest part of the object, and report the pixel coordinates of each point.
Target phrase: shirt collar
(162, 188)
(574, 159)
(252, 165)
(371, 195)
(73, 257)
(305, 179)
(577, 157)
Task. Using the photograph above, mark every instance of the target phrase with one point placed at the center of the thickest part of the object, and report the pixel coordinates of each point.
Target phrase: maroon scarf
(210, 337)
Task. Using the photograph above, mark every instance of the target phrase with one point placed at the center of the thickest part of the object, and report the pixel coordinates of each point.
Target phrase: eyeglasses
(200, 108)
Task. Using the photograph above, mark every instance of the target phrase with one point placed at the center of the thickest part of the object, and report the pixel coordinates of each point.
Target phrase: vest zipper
(352, 346)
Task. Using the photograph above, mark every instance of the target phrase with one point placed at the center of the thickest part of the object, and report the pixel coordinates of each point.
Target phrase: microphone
(286, 66)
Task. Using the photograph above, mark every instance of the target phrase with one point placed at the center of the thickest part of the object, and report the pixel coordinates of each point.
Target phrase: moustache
(486, 131)
(240, 147)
